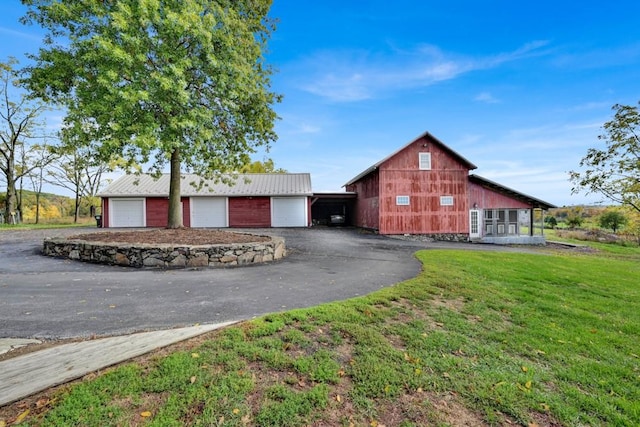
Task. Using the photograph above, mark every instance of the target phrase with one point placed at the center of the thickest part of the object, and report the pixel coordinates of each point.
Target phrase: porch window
(402, 200)
(424, 160)
(505, 222)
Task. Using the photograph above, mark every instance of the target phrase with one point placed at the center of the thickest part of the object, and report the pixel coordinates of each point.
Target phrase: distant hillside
(52, 206)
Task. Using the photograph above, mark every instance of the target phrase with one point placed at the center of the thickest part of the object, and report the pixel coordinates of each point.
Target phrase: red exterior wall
(186, 212)
(105, 212)
(249, 212)
(158, 210)
(484, 198)
(400, 176)
(367, 212)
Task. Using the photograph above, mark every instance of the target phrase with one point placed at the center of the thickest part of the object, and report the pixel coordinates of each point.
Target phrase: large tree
(182, 82)
(19, 125)
(614, 171)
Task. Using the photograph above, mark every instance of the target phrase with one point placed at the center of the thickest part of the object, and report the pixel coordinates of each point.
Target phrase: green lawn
(83, 222)
(479, 337)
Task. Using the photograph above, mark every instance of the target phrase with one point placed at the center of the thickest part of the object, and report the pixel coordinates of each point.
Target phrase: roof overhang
(337, 195)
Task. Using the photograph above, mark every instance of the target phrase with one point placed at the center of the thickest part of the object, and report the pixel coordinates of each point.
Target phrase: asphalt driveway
(43, 297)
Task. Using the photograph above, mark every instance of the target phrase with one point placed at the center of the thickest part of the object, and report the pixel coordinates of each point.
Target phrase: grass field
(60, 223)
(478, 338)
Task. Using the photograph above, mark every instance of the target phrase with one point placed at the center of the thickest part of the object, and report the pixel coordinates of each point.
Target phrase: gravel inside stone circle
(183, 236)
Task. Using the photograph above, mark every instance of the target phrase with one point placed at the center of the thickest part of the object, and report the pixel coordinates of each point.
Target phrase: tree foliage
(612, 219)
(267, 166)
(614, 171)
(157, 82)
(551, 221)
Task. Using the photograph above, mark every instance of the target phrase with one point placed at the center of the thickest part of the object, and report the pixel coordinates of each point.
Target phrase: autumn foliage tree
(614, 171)
(157, 82)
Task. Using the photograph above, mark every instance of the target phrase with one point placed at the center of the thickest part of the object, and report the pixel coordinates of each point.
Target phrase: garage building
(251, 200)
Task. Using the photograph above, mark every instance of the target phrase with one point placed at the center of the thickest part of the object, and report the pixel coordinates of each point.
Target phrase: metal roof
(258, 184)
(426, 134)
(511, 193)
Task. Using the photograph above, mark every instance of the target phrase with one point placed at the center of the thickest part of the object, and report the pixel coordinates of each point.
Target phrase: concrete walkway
(25, 375)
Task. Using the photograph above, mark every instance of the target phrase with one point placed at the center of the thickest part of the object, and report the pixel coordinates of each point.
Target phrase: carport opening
(326, 205)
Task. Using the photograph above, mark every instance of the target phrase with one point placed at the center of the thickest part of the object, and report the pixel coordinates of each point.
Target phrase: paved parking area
(43, 297)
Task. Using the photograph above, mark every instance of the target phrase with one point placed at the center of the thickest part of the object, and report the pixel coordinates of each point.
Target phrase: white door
(127, 213)
(474, 224)
(208, 212)
(288, 211)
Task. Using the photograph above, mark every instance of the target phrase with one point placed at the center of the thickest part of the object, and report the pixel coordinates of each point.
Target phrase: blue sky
(521, 89)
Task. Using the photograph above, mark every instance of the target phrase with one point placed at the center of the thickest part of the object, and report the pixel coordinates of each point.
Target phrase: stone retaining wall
(166, 256)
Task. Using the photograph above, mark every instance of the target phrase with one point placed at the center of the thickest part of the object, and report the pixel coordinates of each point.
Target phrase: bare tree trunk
(175, 208)
(10, 206)
(76, 213)
(38, 207)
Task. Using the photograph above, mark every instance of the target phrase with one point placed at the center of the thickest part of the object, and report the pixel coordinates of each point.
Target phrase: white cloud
(486, 97)
(347, 76)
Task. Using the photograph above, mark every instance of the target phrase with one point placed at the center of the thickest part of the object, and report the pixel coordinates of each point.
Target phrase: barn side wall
(367, 212)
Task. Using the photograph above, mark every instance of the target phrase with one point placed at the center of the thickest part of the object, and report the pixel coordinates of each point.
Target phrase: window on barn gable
(424, 160)
(446, 200)
(402, 200)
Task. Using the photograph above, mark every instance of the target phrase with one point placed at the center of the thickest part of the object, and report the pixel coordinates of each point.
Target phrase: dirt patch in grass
(178, 236)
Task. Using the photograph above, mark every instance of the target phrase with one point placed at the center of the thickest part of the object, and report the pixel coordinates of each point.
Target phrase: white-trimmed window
(446, 200)
(402, 200)
(424, 161)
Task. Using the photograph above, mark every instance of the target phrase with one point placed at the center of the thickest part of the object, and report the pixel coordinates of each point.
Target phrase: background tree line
(31, 156)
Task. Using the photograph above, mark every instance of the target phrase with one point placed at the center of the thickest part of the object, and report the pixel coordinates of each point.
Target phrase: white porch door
(474, 224)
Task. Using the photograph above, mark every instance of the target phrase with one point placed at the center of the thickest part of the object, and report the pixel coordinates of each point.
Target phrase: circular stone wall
(166, 255)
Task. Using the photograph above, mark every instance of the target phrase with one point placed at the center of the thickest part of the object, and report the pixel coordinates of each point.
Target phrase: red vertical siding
(158, 211)
(186, 212)
(249, 212)
(367, 209)
(400, 176)
(484, 198)
(105, 212)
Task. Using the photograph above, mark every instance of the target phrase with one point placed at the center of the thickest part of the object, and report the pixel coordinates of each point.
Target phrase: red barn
(425, 189)
(254, 200)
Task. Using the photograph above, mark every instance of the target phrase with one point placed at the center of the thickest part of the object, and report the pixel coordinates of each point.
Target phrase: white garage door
(289, 212)
(126, 213)
(208, 212)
